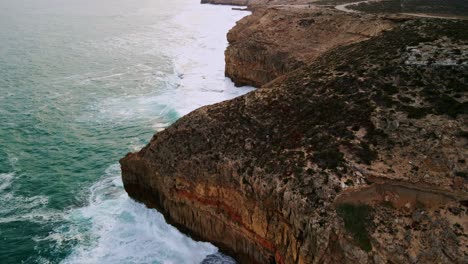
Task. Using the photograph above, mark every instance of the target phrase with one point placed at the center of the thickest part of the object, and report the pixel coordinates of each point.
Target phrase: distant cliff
(254, 2)
(275, 41)
(226, 2)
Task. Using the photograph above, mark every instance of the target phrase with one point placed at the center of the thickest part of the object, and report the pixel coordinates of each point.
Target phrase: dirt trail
(344, 7)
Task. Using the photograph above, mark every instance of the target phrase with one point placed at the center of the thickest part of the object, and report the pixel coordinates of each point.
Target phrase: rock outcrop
(359, 157)
(276, 40)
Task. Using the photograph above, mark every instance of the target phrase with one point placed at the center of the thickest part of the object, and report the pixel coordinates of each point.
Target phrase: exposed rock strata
(359, 157)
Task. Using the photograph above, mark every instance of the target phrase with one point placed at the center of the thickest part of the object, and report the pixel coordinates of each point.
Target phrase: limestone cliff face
(359, 157)
(274, 41)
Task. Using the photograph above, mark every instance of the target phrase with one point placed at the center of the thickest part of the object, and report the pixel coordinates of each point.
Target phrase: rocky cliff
(253, 3)
(276, 40)
(358, 157)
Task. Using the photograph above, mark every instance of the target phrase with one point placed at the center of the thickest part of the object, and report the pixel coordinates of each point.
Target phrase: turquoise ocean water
(83, 82)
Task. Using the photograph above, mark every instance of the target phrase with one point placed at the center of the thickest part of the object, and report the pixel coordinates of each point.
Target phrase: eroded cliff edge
(277, 40)
(359, 157)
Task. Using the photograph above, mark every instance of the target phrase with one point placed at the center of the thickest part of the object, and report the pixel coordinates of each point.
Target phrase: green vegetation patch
(357, 219)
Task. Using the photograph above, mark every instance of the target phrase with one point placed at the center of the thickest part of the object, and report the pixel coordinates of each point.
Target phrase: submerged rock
(218, 258)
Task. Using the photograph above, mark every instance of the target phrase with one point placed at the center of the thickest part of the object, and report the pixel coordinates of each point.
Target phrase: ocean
(83, 82)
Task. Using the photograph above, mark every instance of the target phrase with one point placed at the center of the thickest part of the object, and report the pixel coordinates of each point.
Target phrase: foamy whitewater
(82, 83)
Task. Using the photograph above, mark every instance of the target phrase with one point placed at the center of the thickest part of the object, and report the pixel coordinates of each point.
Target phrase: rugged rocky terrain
(274, 41)
(356, 156)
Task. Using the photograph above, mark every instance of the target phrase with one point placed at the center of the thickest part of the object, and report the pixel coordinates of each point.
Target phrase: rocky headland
(352, 151)
(274, 41)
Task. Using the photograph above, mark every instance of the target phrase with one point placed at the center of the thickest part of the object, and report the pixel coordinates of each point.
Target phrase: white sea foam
(200, 62)
(123, 231)
(112, 228)
(5, 180)
(40, 216)
(197, 46)
(33, 207)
